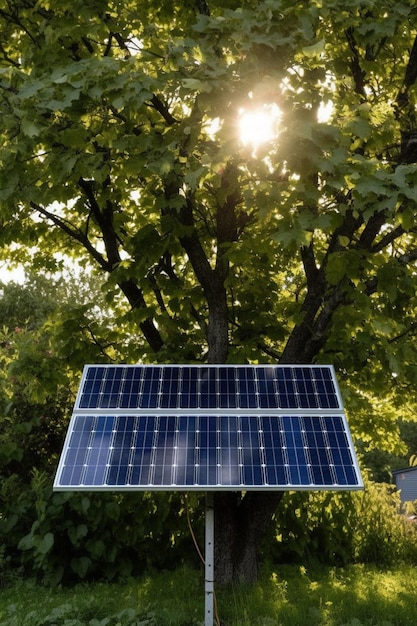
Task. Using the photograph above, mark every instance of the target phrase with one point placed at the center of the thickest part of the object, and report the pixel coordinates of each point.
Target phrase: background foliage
(121, 163)
(62, 537)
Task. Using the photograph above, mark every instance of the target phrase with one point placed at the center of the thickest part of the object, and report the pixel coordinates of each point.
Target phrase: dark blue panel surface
(246, 388)
(208, 427)
(186, 451)
(205, 387)
(189, 390)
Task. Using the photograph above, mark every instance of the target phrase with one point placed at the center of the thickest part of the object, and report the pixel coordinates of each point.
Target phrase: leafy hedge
(345, 527)
(65, 537)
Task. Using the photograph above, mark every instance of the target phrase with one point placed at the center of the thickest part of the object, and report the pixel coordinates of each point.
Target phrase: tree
(37, 363)
(48, 328)
(120, 145)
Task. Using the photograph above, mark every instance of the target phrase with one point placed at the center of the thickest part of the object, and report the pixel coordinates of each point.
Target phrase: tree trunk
(240, 523)
(218, 328)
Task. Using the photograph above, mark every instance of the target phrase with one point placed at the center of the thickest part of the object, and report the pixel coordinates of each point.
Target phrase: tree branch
(129, 287)
(309, 262)
(358, 73)
(73, 233)
(104, 219)
(203, 7)
(162, 108)
(371, 230)
(410, 77)
(410, 330)
(194, 250)
(97, 343)
(136, 300)
(15, 20)
(388, 239)
(409, 257)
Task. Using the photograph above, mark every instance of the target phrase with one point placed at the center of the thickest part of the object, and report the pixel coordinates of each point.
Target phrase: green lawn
(289, 596)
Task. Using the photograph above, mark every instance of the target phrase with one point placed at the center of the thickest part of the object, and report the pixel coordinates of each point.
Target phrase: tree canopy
(120, 147)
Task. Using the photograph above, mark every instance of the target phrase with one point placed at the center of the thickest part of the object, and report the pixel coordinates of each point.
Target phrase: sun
(258, 126)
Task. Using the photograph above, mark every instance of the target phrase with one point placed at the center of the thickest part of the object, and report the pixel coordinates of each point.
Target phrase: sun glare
(258, 126)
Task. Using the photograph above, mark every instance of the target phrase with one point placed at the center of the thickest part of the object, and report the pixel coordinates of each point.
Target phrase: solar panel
(206, 427)
(207, 387)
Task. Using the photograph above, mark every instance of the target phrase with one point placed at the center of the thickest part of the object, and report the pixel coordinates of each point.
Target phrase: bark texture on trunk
(218, 328)
(240, 524)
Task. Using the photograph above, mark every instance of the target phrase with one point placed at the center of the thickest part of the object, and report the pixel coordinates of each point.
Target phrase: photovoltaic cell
(200, 427)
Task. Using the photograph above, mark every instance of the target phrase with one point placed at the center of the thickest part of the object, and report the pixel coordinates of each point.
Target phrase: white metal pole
(209, 560)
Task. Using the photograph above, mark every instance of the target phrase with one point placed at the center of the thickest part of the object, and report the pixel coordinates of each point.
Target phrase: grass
(288, 596)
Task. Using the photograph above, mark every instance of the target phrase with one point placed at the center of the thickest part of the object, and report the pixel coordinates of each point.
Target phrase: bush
(345, 527)
(381, 535)
(65, 537)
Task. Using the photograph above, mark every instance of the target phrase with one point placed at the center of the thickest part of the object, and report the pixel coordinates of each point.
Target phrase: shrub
(344, 527)
(65, 537)
(381, 535)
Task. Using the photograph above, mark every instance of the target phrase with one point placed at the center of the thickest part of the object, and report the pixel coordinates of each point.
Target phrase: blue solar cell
(227, 391)
(150, 386)
(142, 450)
(268, 397)
(251, 452)
(188, 395)
(121, 451)
(170, 384)
(199, 427)
(286, 388)
(274, 452)
(186, 451)
(163, 459)
(246, 388)
(92, 387)
(306, 390)
(326, 388)
(208, 388)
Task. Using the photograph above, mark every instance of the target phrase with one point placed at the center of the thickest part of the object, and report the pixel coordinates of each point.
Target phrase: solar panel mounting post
(209, 561)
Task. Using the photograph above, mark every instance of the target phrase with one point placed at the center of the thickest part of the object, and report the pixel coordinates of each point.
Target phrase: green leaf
(193, 178)
(336, 268)
(293, 235)
(77, 533)
(27, 542)
(359, 126)
(407, 218)
(344, 241)
(81, 565)
(315, 49)
(30, 128)
(46, 543)
(371, 186)
(194, 84)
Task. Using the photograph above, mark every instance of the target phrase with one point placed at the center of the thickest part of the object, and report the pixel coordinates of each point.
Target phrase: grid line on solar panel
(190, 451)
(208, 387)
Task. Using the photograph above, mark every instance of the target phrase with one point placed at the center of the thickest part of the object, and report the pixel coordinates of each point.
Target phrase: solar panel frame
(206, 428)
